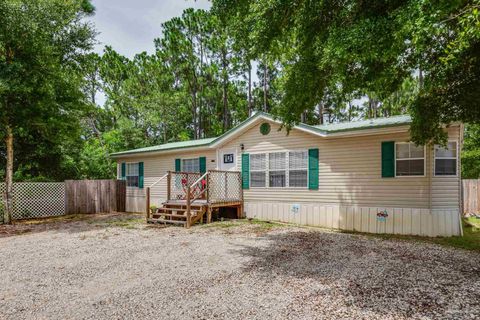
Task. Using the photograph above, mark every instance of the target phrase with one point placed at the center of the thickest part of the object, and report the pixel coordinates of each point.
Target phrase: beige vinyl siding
(155, 166)
(349, 171)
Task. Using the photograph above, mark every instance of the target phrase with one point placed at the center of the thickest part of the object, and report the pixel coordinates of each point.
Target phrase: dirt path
(111, 267)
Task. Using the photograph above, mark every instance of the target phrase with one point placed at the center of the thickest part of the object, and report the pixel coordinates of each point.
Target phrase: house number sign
(228, 158)
(382, 215)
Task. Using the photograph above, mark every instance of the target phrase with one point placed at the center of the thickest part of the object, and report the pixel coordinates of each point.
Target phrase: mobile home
(364, 175)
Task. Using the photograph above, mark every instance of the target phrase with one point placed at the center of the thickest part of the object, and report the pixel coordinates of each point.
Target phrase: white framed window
(131, 174)
(258, 170)
(409, 159)
(277, 169)
(446, 159)
(191, 165)
(298, 169)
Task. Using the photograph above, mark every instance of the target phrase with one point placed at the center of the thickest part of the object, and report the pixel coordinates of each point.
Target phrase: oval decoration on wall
(265, 128)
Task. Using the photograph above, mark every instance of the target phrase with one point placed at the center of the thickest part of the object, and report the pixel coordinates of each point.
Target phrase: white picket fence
(35, 200)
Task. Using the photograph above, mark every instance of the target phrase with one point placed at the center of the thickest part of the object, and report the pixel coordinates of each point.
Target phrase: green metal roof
(323, 129)
(168, 146)
(365, 124)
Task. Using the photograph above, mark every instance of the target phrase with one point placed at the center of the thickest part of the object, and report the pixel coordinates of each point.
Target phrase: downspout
(460, 184)
(431, 152)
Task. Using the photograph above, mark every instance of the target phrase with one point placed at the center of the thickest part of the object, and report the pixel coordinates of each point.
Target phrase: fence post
(147, 208)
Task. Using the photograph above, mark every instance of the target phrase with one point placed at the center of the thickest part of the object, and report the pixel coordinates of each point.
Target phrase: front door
(228, 159)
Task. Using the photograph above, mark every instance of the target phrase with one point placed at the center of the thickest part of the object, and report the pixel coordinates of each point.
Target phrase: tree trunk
(250, 105)
(194, 113)
(265, 109)
(349, 111)
(225, 90)
(201, 125)
(320, 113)
(9, 177)
(420, 78)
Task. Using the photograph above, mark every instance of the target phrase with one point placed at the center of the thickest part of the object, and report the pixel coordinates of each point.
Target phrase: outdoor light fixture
(242, 146)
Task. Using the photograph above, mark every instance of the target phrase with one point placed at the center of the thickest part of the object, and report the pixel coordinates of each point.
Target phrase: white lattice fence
(36, 199)
(224, 186)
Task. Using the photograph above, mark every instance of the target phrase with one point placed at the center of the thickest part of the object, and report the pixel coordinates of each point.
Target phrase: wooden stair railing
(147, 195)
(203, 188)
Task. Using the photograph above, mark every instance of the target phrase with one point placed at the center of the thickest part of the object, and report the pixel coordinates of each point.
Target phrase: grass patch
(469, 241)
(257, 225)
(128, 223)
(55, 219)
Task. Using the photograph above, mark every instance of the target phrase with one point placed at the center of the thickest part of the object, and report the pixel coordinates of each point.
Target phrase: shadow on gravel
(73, 223)
(394, 278)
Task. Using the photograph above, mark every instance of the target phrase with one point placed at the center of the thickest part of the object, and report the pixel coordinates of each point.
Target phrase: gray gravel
(86, 270)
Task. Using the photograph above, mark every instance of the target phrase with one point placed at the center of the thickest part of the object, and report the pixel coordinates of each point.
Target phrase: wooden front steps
(175, 213)
(192, 196)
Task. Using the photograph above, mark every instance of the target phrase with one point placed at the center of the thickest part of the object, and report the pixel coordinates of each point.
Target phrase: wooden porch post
(207, 186)
(209, 214)
(169, 185)
(188, 206)
(241, 195)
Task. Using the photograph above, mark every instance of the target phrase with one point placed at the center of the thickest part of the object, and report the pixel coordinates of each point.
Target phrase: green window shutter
(203, 164)
(140, 175)
(123, 170)
(178, 165)
(388, 159)
(245, 171)
(313, 169)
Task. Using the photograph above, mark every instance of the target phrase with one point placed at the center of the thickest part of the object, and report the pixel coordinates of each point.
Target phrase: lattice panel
(36, 199)
(179, 183)
(224, 186)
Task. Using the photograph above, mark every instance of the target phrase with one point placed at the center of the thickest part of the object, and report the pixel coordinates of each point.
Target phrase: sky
(130, 26)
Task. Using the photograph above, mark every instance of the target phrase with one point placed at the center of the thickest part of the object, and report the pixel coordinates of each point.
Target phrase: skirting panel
(136, 203)
(408, 221)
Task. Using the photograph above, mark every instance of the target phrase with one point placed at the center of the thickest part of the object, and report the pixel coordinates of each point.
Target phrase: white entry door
(227, 159)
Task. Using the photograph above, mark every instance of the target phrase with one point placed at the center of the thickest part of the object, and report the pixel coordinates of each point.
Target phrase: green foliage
(316, 62)
(471, 152)
(331, 51)
(41, 45)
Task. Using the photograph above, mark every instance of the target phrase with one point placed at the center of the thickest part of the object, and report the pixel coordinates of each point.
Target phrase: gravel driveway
(116, 268)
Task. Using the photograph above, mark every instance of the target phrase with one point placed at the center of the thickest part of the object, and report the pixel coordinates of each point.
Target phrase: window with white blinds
(409, 159)
(132, 174)
(298, 168)
(446, 159)
(258, 170)
(279, 169)
(191, 165)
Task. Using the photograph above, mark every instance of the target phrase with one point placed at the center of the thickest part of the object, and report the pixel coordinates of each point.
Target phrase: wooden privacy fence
(94, 196)
(471, 195)
(47, 199)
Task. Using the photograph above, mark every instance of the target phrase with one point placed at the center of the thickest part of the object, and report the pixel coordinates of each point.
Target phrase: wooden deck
(192, 197)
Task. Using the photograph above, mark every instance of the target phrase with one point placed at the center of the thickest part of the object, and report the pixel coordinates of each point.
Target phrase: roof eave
(250, 122)
(155, 152)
